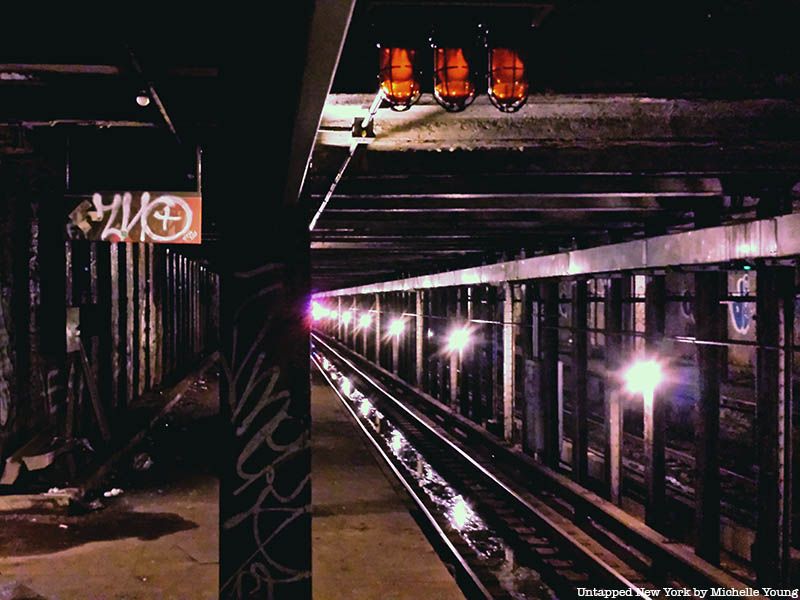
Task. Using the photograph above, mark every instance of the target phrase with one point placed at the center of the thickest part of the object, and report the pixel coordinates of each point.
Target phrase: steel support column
(549, 370)
(419, 337)
(353, 323)
(378, 319)
(265, 519)
(451, 310)
(611, 389)
(654, 415)
(509, 362)
(774, 331)
(339, 319)
(710, 318)
(580, 409)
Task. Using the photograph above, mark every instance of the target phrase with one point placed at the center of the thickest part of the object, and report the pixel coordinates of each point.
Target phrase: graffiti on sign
(740, 311)
(157, 217)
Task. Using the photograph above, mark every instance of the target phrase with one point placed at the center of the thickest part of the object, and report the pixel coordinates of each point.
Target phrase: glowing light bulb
(396, 327)
(318, 311)
(365, 320)
(347, 317)
(643, 376)
(347, 386)
(458, 340)
(398, 77)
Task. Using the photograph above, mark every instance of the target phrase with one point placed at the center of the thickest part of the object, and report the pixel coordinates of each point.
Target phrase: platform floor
(366, 543)
(158, 539)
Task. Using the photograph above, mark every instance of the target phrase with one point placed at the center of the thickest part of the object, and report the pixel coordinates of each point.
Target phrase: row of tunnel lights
(457, 340)
(455, 82)
(643, 376)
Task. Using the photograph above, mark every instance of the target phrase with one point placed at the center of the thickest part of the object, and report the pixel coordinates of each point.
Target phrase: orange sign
(143, 217)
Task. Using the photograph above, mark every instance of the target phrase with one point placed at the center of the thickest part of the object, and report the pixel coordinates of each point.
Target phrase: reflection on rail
(517, 580)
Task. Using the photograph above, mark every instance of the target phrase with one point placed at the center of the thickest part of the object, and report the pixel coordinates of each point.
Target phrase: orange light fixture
(453, 82)
(508, 80)
(398, 77)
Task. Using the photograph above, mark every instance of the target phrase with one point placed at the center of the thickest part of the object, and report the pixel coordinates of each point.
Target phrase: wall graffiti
(169, 217)
(740, 312)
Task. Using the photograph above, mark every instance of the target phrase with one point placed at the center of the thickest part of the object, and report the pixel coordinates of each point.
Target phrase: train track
(735, 486)
(505, 541)
(551, 526)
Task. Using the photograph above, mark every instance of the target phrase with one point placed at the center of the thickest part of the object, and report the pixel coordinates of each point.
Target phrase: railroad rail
(559, 535)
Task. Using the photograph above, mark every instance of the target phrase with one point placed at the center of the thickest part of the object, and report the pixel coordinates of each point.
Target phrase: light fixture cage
(454, 77)
(507, 76)
(398, 76)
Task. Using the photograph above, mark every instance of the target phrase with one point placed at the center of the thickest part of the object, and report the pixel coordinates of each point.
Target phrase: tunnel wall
(87, 329)
(473, 385)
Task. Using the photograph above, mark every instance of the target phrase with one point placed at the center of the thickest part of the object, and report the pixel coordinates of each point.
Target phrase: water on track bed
(454, 508)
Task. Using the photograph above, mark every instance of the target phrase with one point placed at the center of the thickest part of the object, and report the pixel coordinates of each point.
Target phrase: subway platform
(366, 545)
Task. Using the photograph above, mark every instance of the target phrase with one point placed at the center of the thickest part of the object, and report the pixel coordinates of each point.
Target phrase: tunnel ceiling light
(453, 78)
(365, 320)
(143, 99)
(318, 311)
(508, 80)
(643, 377)
(347, 316)
(398, 77)
(458, 339)
(396, 327)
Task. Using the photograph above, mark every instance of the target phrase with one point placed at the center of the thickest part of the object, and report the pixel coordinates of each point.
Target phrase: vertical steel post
(775, 335)
(613, 403)
(339, 325)
(549, 370)
(511, 316)
(709, 319)
(451, 299)
(378, 320)
(419, 337)
(654, 413)
(265, 492)
(580, 409)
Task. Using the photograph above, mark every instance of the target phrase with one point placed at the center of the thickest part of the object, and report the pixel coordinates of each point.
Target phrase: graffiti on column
(270, 494)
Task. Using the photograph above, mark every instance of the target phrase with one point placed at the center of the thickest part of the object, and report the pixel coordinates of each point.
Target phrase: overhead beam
(764, 238)
(153, 93)
(455, 186)
(329, 25)
(566, 119)
(503, 203)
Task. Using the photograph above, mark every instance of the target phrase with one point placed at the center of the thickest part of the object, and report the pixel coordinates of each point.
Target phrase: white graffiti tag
(161, 208)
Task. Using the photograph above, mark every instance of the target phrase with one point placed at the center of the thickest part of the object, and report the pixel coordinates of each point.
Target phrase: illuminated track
(519, 546)
(464, 574)
(553, 525)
